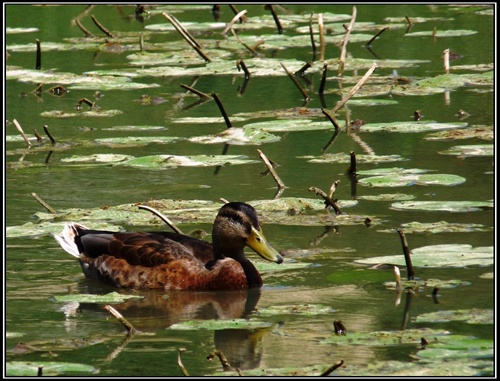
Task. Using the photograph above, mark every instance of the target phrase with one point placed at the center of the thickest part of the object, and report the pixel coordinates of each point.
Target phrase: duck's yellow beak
(259, 244)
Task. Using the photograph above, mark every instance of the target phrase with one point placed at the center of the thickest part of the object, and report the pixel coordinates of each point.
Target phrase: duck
(174, 261)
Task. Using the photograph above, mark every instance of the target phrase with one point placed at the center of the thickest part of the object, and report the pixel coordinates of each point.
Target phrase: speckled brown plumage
(174, 261)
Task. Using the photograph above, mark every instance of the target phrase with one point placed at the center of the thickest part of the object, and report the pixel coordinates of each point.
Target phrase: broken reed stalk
(264, 158)
(243, 18)
(223, 112)
(335, 125)
(410, 24)
(38, 137)
(328, 200)
(85, 31)
(406, 251)
(43, 203)
(193, 90)
(225, 364)
(355, 88)
(374, 37)
(290, 75)
(352, 168)
(241, 64)
(275, 17)
(446, 58)
(231, 23)
(333, 188)
(130, 328)
(102, 28)
(46, 129)
(345, 40)
(179, 362)
(311, 34)
(303, 69)
(332, 368)
(162, 217)
(20, 129)
(38, 64)
(185, 34)
(321, 37)
(323, 80)
(252, 49)
(397, 275)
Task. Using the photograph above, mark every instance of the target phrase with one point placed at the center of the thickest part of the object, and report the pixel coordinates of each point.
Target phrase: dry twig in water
(280, 183)
(355, 88)
(130, 328)
(162, 217)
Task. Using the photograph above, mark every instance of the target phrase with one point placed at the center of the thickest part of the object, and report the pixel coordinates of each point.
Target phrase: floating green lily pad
(442, 33)
(136, 128)
(443, 206)
(49, 368)
(439, 256)
(428, 283)
(387, 197)
(402, 180)
(472, 316)
(214, 325)
(383, 338)
(97, 158)
(440, 227)
(173, 161)
(237, 136)
(411, 126)
(479, 132)
(465, 151)
(112, 297)
(74, 114)
(345, 158)
(295, 309)
(132, 141)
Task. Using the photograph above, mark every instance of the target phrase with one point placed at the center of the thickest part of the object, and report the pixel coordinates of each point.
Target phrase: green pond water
(287, 327)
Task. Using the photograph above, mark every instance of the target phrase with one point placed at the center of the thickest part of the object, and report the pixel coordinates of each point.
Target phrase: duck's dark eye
(236, 218)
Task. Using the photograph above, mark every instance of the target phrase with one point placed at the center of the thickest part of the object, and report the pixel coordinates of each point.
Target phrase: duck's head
(236, 226)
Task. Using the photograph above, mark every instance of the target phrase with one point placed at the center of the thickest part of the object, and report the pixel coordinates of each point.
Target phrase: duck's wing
(202, 250)
(145, 249)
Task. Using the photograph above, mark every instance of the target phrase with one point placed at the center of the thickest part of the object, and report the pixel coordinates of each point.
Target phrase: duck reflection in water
(158, 309)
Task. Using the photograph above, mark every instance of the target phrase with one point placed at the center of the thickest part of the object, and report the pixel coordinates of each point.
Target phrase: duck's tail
(67, 238)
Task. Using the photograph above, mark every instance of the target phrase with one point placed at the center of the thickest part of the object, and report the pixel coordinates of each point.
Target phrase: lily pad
(443, 206)
(394, 180)
(387, 197)
(112, 297)
(465, 151)
(440, 227)
(411, 126)
(442, 33)
(295, 309)
(132, 141)
(472, 316)
(439, 256)
(479, 132)
(97, 158)
(218, 324)
(174, 161)
(383, 338)
(77, 114)
(237, 136)
(345, 158)
(49, 368)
